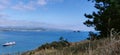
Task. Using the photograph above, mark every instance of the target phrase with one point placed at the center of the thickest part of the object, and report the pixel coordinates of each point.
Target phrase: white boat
(9, 44)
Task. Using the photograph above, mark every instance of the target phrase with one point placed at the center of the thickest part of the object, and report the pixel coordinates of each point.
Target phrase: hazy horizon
(61, 14)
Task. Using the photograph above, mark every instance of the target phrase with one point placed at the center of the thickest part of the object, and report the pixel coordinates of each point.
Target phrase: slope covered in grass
(106, 46)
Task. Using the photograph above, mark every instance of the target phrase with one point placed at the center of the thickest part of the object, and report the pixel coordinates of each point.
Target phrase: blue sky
(64, 14)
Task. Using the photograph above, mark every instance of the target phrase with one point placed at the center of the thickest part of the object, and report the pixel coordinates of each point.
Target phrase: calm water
(30, 40)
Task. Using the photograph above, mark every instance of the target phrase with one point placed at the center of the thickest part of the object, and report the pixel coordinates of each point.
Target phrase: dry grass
(107, 46)
(97, 47)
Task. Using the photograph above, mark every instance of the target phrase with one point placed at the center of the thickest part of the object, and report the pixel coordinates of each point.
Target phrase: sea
(30, 40)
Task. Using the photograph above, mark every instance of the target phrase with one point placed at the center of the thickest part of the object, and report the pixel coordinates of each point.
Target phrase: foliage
(106, 18)
(56, 44)
(92, 35)
(106, 46)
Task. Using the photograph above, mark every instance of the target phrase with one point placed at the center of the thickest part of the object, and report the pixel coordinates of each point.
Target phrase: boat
(9, 43)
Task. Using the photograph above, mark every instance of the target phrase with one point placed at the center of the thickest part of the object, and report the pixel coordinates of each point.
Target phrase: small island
(77, 31)
(60, 27)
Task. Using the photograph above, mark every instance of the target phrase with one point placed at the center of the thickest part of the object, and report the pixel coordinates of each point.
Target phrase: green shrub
(56, 44)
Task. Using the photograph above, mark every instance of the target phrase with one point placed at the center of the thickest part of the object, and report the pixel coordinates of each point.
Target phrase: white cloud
(21, 23)
(5, 2)
(4, 16)
(41, 2)
(56, 0)
(45, 2)
(2, 7)
(9, 22)
(21, 5)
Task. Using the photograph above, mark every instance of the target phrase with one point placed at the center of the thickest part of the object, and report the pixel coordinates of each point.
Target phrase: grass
(106, 46)
(97, 47)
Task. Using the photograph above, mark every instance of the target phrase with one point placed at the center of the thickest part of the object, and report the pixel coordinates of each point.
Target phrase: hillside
(107, 46)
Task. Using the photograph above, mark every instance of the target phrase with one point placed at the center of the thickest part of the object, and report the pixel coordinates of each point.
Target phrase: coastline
(24, 40)
(86, 47)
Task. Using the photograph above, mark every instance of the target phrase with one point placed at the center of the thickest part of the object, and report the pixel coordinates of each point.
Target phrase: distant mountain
(21, 29)
(28, 28)
(22, 25)
(19, 25)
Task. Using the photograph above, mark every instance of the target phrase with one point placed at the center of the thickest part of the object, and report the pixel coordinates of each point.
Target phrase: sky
(62, 14)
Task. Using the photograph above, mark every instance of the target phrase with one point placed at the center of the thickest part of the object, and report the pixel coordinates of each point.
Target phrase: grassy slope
(108, 46)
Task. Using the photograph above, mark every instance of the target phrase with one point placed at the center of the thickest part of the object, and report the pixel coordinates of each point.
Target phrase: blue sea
(30, 40)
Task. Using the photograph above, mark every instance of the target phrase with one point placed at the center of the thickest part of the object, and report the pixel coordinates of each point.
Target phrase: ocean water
(31, 40)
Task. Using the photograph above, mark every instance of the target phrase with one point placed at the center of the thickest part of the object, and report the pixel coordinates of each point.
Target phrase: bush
(56, 44)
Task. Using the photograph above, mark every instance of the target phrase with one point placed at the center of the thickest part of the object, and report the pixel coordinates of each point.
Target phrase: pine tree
(106, 18)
